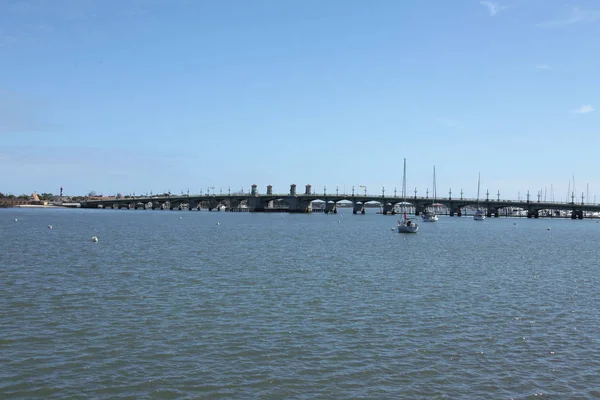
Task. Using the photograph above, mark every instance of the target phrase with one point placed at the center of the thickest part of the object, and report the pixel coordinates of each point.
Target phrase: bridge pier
(358, 208)
(533, 213)
(297, 205)
(419, 210)
(455, 211)
(255, 204)
(577, 214)
(388, 208)
(331, 207)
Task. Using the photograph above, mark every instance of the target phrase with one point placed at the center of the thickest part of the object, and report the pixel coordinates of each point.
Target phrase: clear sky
(134, 96)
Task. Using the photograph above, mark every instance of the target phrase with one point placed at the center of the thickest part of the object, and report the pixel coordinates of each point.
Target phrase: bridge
(303, 203)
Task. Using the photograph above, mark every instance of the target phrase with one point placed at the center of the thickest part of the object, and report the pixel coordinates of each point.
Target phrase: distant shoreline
(38, 206)
(35, 206)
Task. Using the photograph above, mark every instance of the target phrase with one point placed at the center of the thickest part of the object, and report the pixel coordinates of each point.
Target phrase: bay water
(187, 304)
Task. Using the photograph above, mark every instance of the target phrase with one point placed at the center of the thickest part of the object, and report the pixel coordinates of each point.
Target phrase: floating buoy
(393, 229)
(547, 229)
(49, 226)
(514, 223)
(338, 221)
(180, 217)
(16, 220)
(218, 223)
(94, 238)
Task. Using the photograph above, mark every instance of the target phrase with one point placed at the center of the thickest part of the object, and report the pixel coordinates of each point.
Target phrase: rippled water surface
(275, 306)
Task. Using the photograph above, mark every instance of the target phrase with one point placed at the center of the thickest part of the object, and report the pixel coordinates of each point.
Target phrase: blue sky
(155, 95)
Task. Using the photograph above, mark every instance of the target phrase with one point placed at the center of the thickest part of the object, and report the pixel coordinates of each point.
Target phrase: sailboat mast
(478, 184)
(404, 182)
(434, 183)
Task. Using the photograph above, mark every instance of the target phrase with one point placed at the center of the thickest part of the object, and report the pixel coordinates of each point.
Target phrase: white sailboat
(427, 215)
(406, 225)
(479, 214)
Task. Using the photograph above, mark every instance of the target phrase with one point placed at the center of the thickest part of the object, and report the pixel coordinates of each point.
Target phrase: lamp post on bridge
(528, 195)
(383, 191)
(353, 191)
(337, 190)
(461, 194)
(539, 195)
(395, 192)
(365, 190)
(450, 194)
(498, 194)
(427, 193)
(487, 194)
(324, 190)
(582, 196)
(415, 192)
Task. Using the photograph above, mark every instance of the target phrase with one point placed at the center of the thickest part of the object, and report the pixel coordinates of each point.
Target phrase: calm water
(276, 306)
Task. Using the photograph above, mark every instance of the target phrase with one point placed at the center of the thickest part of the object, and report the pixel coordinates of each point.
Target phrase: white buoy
(94, 238)
(218, 223)
(393, 229)
(180, 217)
(49, 226)
(16, 220)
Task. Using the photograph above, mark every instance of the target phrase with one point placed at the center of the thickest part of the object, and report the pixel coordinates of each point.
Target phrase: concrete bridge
(303, 203)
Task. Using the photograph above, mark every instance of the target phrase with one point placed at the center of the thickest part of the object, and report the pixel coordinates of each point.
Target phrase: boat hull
(408, 228)
(429, 218)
